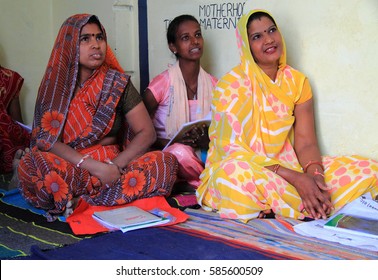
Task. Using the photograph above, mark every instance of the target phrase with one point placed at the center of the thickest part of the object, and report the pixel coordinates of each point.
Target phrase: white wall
(333, 42)
(120, 19)
(25, 36)
(28, 30)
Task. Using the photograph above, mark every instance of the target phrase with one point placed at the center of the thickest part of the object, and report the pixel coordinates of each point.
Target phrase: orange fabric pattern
(48, 181)
(12, 135)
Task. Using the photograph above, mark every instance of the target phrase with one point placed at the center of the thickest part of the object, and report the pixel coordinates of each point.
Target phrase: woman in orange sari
(91, 129)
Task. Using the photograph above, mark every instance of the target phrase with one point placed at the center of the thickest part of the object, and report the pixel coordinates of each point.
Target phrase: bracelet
(108, 161)
(311, 162)
(276, 167)
(328, 188)
(82, 160)
(316, 172)
(111, 163)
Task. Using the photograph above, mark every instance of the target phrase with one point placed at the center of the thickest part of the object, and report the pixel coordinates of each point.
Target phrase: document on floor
(356, 224)
(131, 218)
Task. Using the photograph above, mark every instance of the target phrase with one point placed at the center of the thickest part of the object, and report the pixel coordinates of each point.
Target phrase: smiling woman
(264, 157)
(182, 94)
(91, 130)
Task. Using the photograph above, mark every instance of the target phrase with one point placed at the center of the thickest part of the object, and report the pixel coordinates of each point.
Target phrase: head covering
(58, 84)
(248, 64)
(254, 115)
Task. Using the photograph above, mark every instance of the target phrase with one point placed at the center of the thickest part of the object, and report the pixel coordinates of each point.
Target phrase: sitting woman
(13, 136)
(181, 94)
(91, 129)
(264, 156)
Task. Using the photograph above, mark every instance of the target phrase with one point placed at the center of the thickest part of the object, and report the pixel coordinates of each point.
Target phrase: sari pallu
(252, 128)
(50, 182)
(12, 135)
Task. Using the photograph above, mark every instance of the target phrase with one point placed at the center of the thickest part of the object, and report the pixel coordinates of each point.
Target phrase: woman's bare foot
(16, 161)
(266, 214)
(70, 206)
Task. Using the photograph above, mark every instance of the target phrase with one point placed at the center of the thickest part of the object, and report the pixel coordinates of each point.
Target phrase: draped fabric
(252, 127)
(12, 135)
(174, 109)
(58, 84)
(82, 120)
(178, 112)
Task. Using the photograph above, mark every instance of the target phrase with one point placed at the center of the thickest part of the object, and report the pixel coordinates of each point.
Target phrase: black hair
(174, 25)
(259, 15)
(94, 19)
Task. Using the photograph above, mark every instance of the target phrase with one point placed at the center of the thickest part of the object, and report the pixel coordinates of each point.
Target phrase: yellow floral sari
(252, 127)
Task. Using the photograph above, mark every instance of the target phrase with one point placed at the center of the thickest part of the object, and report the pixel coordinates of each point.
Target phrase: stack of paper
(131, 217)
(356, 224)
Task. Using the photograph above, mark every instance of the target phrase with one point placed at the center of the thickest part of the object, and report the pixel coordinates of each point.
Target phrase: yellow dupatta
(253, 115)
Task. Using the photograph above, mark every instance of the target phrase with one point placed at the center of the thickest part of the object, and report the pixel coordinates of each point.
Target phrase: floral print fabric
(252, 127)
(50, 182)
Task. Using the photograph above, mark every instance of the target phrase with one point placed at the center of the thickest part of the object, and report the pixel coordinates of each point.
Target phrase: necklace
(192, 91)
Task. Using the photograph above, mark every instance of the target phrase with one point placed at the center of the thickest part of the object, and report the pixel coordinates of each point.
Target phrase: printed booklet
(356, 224)
(131, 218)
(187, 127)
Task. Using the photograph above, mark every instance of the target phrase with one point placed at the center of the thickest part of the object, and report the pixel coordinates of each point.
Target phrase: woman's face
(189, 41)
(92, 47)
(265, 42)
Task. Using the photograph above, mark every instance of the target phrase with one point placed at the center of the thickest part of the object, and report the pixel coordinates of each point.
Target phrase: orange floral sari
(48, 181)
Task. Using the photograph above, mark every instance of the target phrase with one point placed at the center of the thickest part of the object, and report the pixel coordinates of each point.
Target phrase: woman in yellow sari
(264, 156)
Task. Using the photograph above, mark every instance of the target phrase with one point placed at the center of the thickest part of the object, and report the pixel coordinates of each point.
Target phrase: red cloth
(12, 135)
(82, 222)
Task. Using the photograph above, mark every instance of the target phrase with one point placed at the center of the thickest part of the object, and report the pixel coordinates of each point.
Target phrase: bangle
(82, 160)
(328, 188)
(111, 163)
(316, 172)
(276, 167)
(108, 161)
(311, 162)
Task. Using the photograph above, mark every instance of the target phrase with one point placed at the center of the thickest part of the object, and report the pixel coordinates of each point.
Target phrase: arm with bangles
(105, 172)
(310, 184)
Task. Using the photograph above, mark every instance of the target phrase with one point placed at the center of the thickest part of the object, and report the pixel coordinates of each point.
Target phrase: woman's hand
(107, 173)
(319, 180)
(315, 201)
(197, 137)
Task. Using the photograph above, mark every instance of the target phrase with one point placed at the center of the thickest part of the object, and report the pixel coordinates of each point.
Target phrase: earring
(174, 52)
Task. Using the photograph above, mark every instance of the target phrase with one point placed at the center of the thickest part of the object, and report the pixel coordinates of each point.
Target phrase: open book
(353, 224)
(131, 218)
(187, 127)
(356, 224)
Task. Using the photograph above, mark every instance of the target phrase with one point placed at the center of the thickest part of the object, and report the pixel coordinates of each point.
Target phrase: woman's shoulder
(234, 75)
(161, 77)
(159, 85)
(293, 72)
